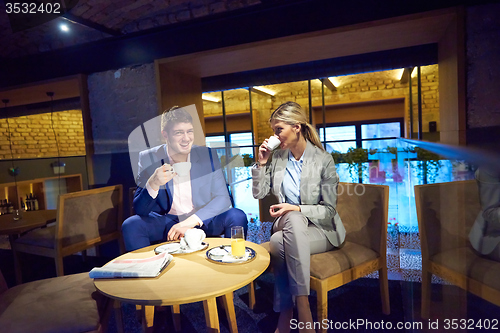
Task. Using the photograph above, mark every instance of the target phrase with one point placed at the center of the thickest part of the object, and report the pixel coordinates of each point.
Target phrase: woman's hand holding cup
(267, 147)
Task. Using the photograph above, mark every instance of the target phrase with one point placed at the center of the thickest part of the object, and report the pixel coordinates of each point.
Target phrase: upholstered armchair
(364, 212)
(84, 219)
(446, 213)
(62, 304)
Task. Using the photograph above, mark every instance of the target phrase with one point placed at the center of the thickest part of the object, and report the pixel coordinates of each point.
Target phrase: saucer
(216, 255)
(175, 248)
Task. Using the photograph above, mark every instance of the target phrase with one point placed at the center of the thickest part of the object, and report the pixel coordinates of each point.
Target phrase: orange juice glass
(237, 242)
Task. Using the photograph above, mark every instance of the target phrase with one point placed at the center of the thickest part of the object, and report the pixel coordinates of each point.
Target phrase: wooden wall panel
(181, 89)
(235, 123)
(452, 86)
(353, 112)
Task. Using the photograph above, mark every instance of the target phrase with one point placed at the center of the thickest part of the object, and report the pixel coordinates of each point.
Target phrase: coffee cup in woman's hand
(267, 147)
(273, 142)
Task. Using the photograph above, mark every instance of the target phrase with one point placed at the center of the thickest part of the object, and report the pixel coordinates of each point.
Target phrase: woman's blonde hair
(291, 113)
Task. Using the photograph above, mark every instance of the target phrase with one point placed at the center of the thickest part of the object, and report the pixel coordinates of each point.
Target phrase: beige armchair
(364, 212)
(63, 304)
(446, 213)
(84, 219)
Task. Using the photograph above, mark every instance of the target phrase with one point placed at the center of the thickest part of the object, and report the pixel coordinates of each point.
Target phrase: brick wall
(350, 89)
(483, 73)
(120, 100)
(33, 136)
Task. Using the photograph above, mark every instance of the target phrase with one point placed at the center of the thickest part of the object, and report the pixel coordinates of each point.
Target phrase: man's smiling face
(180, 138)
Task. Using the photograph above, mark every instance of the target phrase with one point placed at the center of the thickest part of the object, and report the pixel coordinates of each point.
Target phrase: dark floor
(356, 302)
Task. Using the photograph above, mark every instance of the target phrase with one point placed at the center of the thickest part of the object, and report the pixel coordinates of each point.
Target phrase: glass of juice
(237, 242)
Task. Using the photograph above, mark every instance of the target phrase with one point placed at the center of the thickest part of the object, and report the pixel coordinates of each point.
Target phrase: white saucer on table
(175, 248)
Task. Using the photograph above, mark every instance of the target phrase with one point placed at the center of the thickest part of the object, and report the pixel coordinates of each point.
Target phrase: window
(381, 135)
(237, 175)
(339, 138)
(376, 135)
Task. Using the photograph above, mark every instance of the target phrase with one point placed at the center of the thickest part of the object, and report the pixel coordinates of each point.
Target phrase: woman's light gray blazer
(318, 188)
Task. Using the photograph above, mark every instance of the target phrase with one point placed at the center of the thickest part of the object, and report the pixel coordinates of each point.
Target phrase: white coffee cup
(193, 238)
(273, 142)
(182, 168)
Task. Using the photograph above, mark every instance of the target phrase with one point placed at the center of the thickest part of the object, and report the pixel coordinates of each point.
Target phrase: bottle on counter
(28, 202)
(35, 202)
(23, 207)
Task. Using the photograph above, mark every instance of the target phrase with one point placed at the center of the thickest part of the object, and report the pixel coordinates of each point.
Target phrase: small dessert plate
(175, 248)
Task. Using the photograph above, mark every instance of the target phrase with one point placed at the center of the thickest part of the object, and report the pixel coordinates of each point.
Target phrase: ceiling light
(64, 27)
(265, 90)
(210, 98)
(414, 72)
(335, 81)
(399, 73)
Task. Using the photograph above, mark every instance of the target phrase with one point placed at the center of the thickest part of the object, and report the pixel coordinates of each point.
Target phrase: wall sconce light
(14, 171)
(58, 167)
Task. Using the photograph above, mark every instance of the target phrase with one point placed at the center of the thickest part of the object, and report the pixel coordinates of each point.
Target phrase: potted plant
(355, 158)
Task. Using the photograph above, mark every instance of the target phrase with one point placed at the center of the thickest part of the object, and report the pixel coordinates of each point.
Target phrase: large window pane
(214, 141)
(387, 130)
(242, 139)
(379, 144)
(338, 133)
(340, 147)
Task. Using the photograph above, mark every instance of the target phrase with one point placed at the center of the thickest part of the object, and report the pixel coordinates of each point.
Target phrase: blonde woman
(303, 178)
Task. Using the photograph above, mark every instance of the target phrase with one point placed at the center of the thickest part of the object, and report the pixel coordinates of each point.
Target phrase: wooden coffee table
(188, 278)
(30, 220)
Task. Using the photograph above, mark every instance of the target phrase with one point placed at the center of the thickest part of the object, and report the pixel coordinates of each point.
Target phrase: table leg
(228, 301)
(117, 305)
(148, 316)
(211, 316)
(176, 317)
(138, 312)
(251, 295)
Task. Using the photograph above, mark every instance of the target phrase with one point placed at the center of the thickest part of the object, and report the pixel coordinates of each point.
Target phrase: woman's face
(288, 134)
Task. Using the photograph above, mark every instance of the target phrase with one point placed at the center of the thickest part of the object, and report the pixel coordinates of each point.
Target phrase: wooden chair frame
(60, 251)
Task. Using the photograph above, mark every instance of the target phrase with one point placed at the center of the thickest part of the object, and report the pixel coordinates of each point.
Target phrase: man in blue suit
(166, 203)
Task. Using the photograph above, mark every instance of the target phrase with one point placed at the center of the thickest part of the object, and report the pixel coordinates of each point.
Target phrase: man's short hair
(173, 116)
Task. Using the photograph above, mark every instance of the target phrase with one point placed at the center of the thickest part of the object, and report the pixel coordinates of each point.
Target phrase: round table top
(188, 278)
(29, 220)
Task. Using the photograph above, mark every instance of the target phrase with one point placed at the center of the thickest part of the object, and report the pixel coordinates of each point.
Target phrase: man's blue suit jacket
(208, 185)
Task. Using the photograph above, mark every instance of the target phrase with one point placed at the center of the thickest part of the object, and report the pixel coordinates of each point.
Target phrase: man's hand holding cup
(161, 176)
